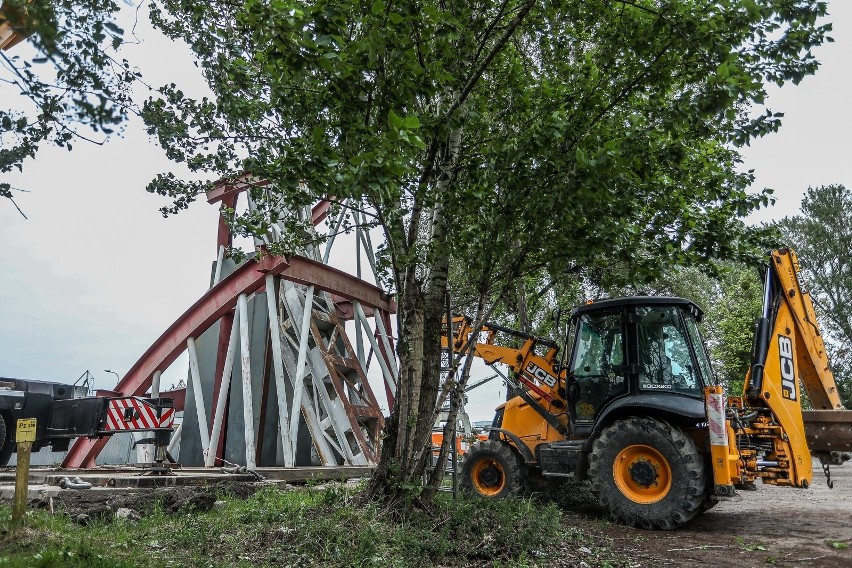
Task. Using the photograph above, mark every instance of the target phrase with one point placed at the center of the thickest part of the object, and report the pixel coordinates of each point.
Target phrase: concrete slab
(38, 491)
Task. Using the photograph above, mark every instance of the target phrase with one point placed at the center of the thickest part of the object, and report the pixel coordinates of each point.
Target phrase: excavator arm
(769, 436)
(795, 304)
(539, 410)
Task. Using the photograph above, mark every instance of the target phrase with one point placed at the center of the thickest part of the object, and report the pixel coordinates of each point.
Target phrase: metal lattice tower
(268, 385)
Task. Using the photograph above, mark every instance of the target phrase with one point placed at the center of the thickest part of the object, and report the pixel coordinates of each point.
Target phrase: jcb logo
(540, 374)
(788, 371)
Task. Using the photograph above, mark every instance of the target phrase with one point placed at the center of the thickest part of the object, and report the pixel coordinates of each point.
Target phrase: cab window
(666, 363)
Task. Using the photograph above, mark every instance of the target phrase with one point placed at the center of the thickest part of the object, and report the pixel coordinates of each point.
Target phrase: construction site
(350, 389)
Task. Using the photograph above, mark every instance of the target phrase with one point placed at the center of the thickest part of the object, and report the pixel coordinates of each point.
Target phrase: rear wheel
(493, 469)
(647, 474)
(6, 442)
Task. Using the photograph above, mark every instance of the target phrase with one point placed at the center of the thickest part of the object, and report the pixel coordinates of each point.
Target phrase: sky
(95, 274)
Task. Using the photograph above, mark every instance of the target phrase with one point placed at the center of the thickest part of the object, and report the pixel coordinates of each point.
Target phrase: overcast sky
(95, 274)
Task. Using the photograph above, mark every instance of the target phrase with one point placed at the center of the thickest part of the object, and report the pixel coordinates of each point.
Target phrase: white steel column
(245, 363)
(278, 364)
(359, 336)
(175, 441)
(220, 258)
(383, 333)
(298, 383)
(200, 410)
(145, 452)
(155, 384)
(337, 223)
(360, 317)
(368, 248)
(224, 387)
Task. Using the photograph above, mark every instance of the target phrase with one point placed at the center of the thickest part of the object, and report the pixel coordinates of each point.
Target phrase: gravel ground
(771, 526)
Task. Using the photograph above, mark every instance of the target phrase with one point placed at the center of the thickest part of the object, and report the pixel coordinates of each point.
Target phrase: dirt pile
(85, 506)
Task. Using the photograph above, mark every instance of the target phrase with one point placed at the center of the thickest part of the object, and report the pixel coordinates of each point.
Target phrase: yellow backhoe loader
(633, 406)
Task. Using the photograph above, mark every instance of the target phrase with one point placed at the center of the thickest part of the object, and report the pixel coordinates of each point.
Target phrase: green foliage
(595, 136)
(820, 234)
(500, 140)
(312, 527)
(74, 87)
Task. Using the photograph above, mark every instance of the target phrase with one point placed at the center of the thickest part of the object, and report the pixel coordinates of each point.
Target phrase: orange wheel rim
(642, 474)
(488, 477)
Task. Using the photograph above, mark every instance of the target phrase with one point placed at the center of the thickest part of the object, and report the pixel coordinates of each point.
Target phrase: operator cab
(627, 347)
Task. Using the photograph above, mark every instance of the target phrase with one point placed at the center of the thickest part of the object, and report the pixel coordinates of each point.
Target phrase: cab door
(597, 370)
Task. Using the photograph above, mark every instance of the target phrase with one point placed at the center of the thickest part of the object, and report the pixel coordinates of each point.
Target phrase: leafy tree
(73, 89)
(504, 138)
(820, 234)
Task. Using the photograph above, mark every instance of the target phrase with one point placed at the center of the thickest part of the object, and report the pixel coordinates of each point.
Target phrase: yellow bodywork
(525, 361)
(760, 435)
(522, 420)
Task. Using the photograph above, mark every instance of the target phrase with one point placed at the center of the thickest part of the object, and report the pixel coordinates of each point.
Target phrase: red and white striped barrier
(133, 413)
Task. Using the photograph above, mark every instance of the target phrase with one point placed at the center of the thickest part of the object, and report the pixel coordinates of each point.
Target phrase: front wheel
(493, 469)
(647, 474)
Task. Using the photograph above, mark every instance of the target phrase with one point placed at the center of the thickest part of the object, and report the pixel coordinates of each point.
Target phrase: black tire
(7, 444)
(708, 502)
(647, 474)
(493, 469)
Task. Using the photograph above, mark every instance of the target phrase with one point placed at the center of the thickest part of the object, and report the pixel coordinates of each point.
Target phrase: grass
(299, 527)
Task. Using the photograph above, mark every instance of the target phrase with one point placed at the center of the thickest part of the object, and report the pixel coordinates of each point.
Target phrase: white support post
(383, 333)
(337, 223)
(278, 364)
(173, 443)
(298, 382)
(359, 337)
(145, 452)
(245, 361)
(220, 258)
(224, 387)
(359, 316)
(200, 410)
(368, 248)
(155, 384)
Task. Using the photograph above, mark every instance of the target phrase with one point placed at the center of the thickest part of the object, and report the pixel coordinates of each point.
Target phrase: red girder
(228, 192)
(219, 300)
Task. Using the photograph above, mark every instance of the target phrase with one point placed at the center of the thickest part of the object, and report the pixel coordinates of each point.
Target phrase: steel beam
(278, 367)
(245, 364)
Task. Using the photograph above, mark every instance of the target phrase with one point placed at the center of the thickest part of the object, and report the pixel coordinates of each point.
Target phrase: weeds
(305, 527)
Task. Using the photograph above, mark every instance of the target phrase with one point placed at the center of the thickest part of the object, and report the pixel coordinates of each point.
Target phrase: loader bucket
(828, 430)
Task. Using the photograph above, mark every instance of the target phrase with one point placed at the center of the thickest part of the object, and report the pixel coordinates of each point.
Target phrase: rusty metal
(828, 430)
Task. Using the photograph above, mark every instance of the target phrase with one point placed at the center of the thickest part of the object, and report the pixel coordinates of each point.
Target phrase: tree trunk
(398, 476)
(407, 447)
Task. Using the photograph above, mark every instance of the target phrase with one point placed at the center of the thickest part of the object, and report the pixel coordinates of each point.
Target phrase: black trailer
(64, 412)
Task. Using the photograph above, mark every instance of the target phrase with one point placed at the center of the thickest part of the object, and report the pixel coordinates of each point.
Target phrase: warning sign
(26, 431)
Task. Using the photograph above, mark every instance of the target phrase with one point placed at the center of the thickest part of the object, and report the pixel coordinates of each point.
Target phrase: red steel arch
(219, 301)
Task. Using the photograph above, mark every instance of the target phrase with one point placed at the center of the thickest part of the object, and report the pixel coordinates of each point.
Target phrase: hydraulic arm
(766, 435)
(537, 414)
